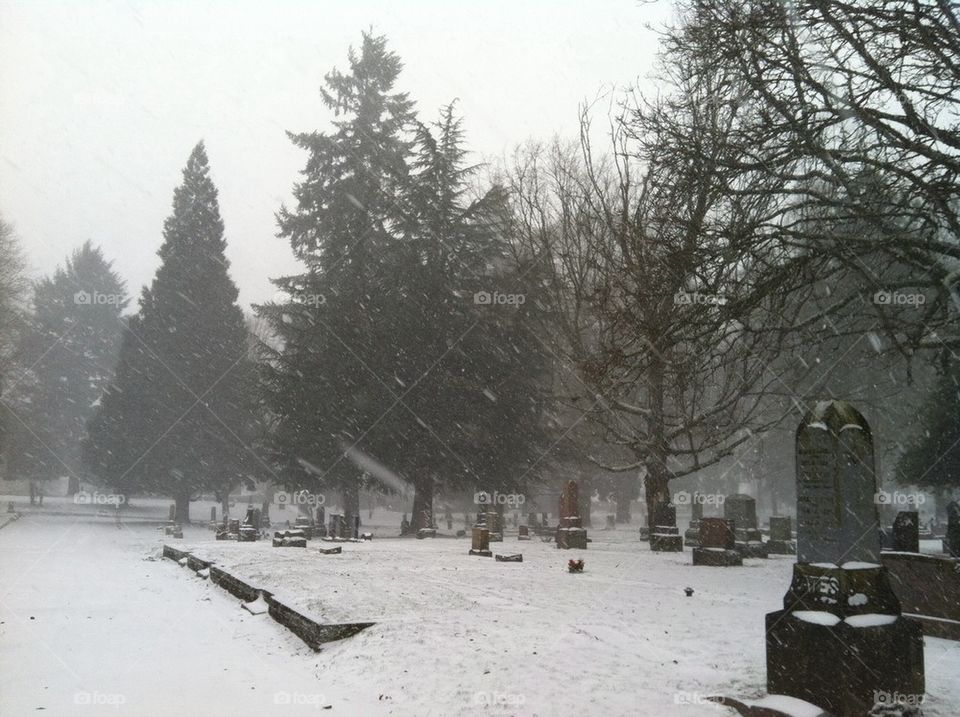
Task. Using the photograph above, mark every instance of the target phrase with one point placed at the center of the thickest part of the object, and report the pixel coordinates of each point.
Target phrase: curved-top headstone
(836, 487)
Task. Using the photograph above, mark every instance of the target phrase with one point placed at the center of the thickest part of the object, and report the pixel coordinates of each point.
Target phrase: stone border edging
(312, 632)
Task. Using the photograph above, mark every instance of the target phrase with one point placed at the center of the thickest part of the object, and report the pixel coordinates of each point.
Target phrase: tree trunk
(585, 493)
(182, 515)
(422, 504)
(624, 494)
(656, 483)
(350, 494)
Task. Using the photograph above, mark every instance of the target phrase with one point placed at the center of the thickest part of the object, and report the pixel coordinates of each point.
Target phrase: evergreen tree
(70, 345)
(384, 358)
(178, 420)
(13, 287)
(322, 393)
(933, 461)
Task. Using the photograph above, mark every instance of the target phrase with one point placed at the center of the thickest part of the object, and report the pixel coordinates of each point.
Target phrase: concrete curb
(305, 626)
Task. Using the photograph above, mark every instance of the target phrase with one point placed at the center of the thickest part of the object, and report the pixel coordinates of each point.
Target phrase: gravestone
(213, 514)
(906, 532)
(523, 532)
(691, 537)
(665, 536)
(611, 522)
(742, 510)
(951, 544)
(717, 544)
(494, 522)
(570, 531)
(404, 525)
(841, 641)
(480, 542)
(781, 536)
(173, 512)
(10, 508)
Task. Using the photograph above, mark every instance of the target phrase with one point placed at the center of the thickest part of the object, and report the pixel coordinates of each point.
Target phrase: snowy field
(90, 613)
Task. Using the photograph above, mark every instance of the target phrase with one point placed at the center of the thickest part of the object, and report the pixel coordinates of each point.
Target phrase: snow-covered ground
(455, 635)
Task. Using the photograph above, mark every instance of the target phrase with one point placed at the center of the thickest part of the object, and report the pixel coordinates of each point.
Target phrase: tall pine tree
(179, 418)
(70, 345)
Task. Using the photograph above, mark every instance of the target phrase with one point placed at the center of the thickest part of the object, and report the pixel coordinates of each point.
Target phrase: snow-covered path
(91, 623)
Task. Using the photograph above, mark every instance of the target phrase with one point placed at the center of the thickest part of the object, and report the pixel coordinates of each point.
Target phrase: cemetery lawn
(455, 633)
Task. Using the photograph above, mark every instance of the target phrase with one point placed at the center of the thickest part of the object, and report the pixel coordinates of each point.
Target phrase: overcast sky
(101, 103)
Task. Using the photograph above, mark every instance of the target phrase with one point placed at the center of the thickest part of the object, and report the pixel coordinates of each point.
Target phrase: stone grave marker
(841, 639)
(742, 510)
(906, 532)
(173, 512)
(665, 536)
(523, 532)
(951, 544)
(494, 522)
(781, 536)
(480, 543)
(570, 531)
(717, 544)
(691, 536)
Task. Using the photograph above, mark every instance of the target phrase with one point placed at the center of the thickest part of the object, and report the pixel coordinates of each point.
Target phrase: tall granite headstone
(691, 537)
(841, 641)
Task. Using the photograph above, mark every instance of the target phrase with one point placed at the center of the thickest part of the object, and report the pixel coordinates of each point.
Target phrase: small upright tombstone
(665, 536)
(494, 522)
(840, 642)
(691, 537)
(10, 508)
(742, 510)
(570, 531)
(717, 544)
(480, 543)
(906, 532)
(951, 544)
(173, 512)
(781, 536)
